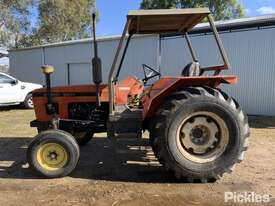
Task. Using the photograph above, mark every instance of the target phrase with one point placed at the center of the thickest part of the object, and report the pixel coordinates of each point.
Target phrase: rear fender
(165, 86)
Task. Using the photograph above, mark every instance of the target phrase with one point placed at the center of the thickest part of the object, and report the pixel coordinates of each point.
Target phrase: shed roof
(163, 21)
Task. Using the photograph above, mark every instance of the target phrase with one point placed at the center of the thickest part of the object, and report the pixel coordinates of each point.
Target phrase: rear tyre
(199, 134)
(53, 153)
(82, 138)
(28, 103)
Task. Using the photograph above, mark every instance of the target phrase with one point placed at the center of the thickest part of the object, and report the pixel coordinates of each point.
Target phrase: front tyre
(53, 153)
(199, 133)
(81, 137)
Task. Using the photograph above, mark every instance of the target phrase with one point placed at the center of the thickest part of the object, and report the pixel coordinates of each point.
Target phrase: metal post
(123, 57)
(113, 68)
(219, 43)
(159, 49)
(194, 57)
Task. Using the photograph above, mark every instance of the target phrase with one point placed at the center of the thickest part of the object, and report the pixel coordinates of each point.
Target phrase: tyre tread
(172, 104)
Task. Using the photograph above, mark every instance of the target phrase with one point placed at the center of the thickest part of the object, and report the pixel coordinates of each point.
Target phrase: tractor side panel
(64, 95)
(165, 86)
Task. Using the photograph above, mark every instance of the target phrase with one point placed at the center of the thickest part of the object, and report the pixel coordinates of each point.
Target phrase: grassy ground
(131, 176)
(15, 122)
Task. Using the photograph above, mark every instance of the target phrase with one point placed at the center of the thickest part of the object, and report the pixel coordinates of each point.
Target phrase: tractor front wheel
(53, 153)
(199, 134)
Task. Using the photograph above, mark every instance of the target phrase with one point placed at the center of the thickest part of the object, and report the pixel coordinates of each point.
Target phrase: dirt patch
(128, 176)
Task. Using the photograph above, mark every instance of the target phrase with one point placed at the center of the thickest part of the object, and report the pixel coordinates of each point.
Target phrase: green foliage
(64, 19)
(158, 4)
(58, 20)
(221, 9)
(14, 21)
(61, 20)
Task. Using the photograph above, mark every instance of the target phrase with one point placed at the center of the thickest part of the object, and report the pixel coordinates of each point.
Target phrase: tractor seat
(191, 69)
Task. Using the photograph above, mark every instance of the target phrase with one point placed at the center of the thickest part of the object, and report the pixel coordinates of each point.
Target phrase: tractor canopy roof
(163, 21)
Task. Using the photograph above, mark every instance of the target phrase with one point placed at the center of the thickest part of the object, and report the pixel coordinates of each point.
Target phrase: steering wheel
(152, 73)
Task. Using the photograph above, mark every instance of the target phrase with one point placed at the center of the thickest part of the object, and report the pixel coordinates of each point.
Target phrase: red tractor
(196, 130)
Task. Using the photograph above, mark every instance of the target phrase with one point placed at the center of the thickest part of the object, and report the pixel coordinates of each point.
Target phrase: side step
(125, 124)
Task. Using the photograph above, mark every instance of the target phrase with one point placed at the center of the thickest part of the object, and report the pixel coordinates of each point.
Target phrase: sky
(113, 14)
(258, 7)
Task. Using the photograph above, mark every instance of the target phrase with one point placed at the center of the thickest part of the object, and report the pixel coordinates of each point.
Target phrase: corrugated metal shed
(249, 42)
(72, 59)
(252, 57)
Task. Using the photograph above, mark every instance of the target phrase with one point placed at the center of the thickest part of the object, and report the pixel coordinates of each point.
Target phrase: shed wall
(25, 65)
(251, 54)
(141, 50)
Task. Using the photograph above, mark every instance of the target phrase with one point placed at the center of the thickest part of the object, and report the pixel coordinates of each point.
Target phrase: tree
(221, 9)
(61, 20)
(14, 21)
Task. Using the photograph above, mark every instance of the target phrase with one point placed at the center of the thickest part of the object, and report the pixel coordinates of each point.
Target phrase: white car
(13, 91)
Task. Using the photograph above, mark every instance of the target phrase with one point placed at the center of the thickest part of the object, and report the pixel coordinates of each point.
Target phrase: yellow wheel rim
(52, 156)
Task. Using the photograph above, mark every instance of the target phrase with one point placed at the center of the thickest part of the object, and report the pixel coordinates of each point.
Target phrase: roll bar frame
(122, 46)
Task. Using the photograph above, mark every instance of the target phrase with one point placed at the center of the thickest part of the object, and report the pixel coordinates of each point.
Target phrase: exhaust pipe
(96, 64)
(48, 70)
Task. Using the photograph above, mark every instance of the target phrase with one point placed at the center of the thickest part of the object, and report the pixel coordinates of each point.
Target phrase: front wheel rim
(202, 137)
(52, 156)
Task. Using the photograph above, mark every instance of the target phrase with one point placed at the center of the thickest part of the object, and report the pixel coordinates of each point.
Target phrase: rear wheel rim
(202, 137)
(52, 156)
